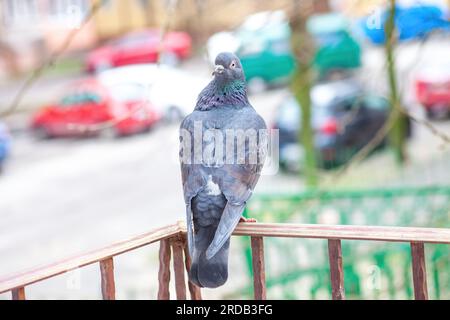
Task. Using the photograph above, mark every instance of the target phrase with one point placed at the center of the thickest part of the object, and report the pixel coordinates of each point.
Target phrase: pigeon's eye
(233, 64)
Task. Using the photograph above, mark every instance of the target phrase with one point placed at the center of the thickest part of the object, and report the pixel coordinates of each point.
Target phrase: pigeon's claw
(242, 219)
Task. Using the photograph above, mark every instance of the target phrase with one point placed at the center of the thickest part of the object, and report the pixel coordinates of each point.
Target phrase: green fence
(298, 268)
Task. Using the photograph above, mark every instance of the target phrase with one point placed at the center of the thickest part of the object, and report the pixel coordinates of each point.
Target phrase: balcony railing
(172, 241)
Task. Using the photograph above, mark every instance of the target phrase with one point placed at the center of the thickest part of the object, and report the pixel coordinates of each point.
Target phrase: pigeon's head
(228, 68)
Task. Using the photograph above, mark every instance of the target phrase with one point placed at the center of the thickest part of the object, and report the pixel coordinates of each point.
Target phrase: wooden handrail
(28, 277)
(175, 236)
(344, 232)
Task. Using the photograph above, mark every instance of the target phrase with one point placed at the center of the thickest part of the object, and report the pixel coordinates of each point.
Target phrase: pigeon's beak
(218, 69)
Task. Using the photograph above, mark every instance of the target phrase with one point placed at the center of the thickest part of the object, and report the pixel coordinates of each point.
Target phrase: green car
(336, 49)
(262, 43)
(266, 54)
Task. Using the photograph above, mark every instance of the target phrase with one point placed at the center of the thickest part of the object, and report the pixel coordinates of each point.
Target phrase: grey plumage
(216, 192)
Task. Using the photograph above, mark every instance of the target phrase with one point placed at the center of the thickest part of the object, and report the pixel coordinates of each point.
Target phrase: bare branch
(37, 73)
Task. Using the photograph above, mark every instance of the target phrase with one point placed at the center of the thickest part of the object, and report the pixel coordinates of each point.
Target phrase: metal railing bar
(107, 279)
(419, 271)
(194, 291)
(336, 269)
(178, 267)
(164, 270)
(18, 293)
(259, 273)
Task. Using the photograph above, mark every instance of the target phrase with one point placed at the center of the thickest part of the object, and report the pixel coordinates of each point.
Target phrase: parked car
(140, 47)
(336, 48)
(173, 93)
(5, 144)
(344, 119)
(123, 109)
(413, 22)
(432, 88)
(264, 40)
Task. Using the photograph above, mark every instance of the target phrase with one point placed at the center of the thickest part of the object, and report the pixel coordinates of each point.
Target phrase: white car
(171, 91)
(229, 40)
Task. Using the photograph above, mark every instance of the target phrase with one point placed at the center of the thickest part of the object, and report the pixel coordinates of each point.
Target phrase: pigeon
(218, 185)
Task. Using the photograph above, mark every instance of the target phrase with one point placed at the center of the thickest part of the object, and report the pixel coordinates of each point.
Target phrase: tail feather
(228, 222)
(209, 273)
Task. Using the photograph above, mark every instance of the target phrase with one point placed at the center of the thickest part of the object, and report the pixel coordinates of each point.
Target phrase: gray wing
(192, 176)
(237, 184)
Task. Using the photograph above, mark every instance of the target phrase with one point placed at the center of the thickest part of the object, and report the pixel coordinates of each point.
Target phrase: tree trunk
(397, 136)
(149, 13)
(303, 50)
(321, 6)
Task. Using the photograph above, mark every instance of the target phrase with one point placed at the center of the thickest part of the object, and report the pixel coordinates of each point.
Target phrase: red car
(140, 47)
(90, 109)
(432, 87)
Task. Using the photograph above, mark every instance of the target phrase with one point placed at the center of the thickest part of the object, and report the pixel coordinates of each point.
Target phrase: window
(80, 98)
(17, 13)
(68, 12)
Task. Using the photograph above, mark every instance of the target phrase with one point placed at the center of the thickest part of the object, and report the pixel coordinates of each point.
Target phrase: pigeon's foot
(242, 219)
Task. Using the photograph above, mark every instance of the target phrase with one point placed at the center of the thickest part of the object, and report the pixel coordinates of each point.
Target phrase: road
(62, 197)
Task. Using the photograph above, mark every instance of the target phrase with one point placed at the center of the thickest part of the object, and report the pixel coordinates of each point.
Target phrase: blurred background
(92, 93)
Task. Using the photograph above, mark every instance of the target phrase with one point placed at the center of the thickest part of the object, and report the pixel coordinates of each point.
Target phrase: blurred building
(31, 29)
(116, 17)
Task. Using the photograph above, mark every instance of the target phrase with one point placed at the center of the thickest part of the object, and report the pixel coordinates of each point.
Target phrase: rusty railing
(172, 240)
